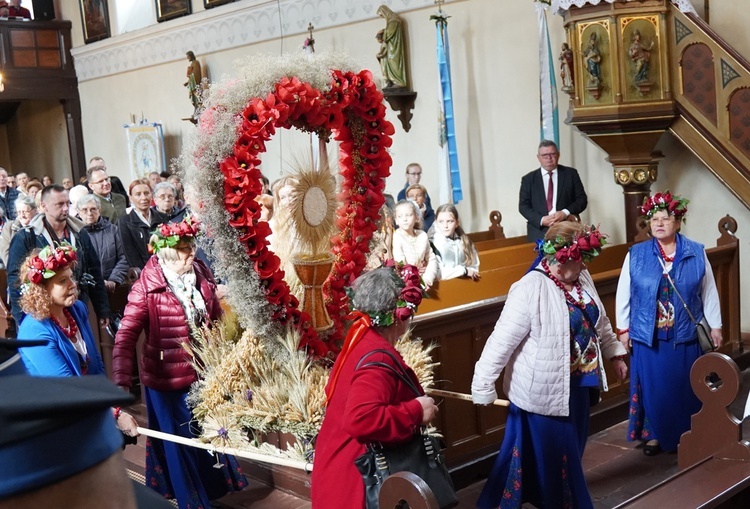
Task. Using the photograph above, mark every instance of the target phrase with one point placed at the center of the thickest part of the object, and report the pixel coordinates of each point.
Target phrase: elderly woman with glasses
(165, 199)
(25, 211)
(654, 322)
(106, 240)
(174, 293)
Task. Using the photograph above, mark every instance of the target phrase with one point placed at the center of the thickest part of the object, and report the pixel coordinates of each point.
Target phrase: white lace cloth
(559, 6)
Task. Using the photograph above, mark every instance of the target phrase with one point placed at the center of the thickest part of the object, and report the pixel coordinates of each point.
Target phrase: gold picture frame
(170, 9)
(95, 20)
(208, 4)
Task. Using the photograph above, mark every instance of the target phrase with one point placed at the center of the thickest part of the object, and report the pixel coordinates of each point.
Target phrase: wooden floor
(616, 470)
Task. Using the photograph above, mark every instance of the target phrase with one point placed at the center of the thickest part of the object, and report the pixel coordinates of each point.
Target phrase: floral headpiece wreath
(408, 301)
(673, 204)
(48, 261)
(585, 246)
(169, 234)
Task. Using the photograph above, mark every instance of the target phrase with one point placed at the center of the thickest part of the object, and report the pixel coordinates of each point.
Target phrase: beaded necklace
(664, 256)
(576, 284)
(71, 330)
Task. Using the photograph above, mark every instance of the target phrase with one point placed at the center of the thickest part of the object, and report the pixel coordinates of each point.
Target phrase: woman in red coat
(368, 404)
(173, 292)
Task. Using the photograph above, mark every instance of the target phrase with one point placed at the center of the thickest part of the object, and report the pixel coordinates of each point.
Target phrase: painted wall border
(226, 27)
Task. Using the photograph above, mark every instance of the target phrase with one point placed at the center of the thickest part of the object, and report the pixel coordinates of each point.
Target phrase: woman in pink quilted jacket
(173, 291)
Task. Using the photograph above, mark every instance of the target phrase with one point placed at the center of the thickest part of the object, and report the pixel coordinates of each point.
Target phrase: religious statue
(593, 61)
(392, 55)
(566, 67)
(640, 54)
(194, 82)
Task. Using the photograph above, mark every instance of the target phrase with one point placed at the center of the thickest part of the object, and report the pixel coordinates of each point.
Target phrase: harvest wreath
(314, 95)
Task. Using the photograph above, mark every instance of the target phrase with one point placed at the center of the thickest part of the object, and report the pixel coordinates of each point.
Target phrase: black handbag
(421, 455)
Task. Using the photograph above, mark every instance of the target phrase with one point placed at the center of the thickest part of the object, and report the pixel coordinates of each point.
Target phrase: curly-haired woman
(49, 297)
(372, 404)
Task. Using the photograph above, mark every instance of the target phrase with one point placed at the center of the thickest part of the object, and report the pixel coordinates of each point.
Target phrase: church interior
(82, 82)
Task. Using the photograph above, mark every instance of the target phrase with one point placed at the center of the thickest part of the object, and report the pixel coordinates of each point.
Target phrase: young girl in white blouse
(411, 245)
(457, 255)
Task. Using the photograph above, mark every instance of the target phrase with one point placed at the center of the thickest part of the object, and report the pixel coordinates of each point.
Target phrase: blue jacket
(688, 269)
(58, 357)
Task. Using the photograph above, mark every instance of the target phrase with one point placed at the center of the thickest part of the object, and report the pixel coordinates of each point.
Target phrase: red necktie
(550, 190)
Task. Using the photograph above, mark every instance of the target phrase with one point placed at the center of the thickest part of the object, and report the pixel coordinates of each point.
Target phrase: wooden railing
(461, 314)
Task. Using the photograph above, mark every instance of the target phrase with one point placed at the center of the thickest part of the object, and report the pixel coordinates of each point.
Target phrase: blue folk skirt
(182, 472)
(661, 399)
(540, 459)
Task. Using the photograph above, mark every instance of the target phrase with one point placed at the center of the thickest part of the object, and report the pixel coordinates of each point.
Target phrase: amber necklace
(576, 284)
(71, 330)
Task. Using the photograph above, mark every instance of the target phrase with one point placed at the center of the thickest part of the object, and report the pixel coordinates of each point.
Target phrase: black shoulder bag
(420, 456)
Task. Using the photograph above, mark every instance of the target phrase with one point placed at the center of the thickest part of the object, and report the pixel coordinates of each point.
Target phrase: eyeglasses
(661, 220)
(413, 172)
(100, 181)
(549, 156)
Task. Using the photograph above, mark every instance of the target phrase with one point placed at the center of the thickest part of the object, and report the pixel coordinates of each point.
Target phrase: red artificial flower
(402, 313)
(266, 264)
(412, 295)
(35, 276)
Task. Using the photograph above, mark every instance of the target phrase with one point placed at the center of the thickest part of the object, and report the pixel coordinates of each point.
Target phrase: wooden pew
(461, 314)
(713, 458)
(494, 237)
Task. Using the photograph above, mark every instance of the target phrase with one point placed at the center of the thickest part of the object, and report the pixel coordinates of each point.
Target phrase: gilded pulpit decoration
(593, 60)
(566, 68)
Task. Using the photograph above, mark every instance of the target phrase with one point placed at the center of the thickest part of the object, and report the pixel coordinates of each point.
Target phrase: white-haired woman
(25, 211)
(173, 291)
(106, 240)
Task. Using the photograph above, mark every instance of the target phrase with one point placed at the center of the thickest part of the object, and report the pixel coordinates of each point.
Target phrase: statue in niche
(593, 61)
(566, 68)
(640, 54)
(392, 54)
(194, 83)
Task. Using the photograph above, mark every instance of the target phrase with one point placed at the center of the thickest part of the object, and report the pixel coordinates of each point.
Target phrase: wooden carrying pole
(463, 397)
(285, 462)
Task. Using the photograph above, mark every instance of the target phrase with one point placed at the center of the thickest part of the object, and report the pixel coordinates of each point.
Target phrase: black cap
(54, 428)
(10, 361)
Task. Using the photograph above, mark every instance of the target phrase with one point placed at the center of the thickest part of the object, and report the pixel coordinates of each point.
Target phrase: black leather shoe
(651, 450)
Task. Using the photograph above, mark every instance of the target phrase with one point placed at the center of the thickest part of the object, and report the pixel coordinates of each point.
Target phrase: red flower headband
(169, 234)
(48, 261)
(408, 300)
(585, 246)
(673, 204)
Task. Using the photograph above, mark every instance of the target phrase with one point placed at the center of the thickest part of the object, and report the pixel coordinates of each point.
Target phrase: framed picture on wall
(168, 9)
(215, 3)
(95, 17)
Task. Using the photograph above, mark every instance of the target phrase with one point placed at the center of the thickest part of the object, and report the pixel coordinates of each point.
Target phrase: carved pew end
(406, 487)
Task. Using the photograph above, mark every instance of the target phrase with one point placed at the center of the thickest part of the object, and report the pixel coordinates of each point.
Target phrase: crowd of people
(550, 341)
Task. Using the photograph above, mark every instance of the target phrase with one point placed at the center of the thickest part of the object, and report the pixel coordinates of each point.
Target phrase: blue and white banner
(449, 175)
(547, 85)
(146, 148)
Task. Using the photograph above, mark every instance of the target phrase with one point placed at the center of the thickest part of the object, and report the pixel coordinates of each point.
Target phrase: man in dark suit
(550, 193)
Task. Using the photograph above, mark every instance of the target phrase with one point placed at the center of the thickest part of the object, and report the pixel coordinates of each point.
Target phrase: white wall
(495, 73)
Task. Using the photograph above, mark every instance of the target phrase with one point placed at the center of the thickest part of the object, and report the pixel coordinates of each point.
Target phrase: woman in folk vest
(652, 318)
